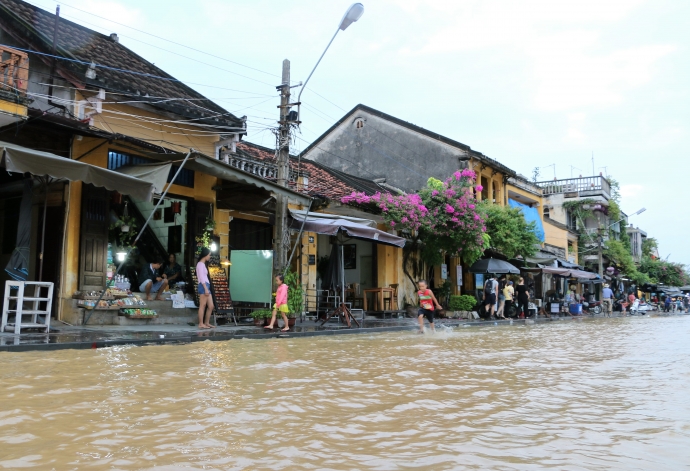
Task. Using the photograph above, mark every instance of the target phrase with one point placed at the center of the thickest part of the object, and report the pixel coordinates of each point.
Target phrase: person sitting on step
(150, 280)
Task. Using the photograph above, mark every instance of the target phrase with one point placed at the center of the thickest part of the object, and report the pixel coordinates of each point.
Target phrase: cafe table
(378, 300)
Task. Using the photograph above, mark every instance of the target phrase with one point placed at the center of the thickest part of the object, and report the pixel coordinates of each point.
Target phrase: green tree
(621, 258)
(662, 271)
(650, 247)
(510, 233)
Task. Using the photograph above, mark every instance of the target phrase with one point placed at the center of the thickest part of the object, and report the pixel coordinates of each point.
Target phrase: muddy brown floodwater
(599, 395)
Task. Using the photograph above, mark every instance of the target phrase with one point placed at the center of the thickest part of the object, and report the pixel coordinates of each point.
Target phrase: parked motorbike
(641, 307)
(592, 307)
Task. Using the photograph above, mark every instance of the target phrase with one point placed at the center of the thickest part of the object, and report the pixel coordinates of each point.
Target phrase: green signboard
(251, 275)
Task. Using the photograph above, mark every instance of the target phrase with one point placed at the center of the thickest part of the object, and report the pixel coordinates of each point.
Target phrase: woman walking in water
(204, 290)
(281, 304)
(523, 298)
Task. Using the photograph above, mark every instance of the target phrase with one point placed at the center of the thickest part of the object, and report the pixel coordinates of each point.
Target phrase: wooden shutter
(94, 238)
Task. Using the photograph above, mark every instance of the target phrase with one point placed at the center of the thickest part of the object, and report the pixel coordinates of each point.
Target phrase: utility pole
(280, 244)
(601, 256)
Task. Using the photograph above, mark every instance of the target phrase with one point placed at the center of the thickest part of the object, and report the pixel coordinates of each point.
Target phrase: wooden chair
(357, 298)
(392, 300)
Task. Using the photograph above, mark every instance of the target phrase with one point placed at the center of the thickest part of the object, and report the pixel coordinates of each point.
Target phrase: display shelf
(220, 291)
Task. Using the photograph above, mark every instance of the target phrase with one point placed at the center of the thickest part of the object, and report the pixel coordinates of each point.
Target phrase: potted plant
(261, 316)
(123, 232)
(462, 304)
(295, 296)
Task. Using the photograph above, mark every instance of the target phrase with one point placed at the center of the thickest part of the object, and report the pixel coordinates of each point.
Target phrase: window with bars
(120, 159)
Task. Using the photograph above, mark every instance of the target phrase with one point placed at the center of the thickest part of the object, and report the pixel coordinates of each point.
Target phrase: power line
(117, 69)
(177, 53)
(167, 40)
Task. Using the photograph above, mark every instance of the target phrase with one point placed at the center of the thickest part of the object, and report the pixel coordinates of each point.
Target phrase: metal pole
(160, 200)
(43, 231)
(299, 238)
(342, 273)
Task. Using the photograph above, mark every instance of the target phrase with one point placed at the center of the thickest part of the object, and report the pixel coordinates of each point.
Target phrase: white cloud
(631, 190)
(561, 45)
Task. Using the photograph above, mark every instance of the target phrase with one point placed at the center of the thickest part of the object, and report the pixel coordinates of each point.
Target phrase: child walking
(427, 301)
(281, 304)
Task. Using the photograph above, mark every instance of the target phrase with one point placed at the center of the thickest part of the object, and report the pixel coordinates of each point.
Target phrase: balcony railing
(14, 73)
(576, 185)
(262, 168)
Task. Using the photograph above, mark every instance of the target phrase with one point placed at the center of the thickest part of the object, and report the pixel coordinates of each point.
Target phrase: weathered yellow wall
(135, 122)
(555, 236)
(13, 108)
(494, 178)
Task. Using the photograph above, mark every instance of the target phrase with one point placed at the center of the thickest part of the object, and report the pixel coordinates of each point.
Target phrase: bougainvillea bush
(444, 216)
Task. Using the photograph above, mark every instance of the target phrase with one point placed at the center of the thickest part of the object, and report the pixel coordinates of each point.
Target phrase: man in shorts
(427, 302)
(150, 280)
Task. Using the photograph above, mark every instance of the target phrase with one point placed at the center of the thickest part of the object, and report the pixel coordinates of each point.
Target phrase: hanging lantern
(177, 207)
(117, 198)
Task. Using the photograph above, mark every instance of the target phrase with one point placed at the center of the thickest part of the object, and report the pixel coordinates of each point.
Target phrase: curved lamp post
(352, 14)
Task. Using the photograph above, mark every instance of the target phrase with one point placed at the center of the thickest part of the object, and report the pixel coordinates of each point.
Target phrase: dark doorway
(52, 255)
(250, 235)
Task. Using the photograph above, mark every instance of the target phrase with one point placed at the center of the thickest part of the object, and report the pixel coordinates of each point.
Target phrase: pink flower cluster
(445, 210)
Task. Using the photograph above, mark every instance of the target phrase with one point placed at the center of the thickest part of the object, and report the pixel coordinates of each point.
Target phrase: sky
(572, 87)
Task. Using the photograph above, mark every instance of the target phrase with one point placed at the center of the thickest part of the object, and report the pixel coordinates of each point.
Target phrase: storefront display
(220, 291)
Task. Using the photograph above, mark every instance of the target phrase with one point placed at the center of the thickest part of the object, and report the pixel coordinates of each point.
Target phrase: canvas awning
(152, 173)
(568, 273)
(24, 160)
(332, 224)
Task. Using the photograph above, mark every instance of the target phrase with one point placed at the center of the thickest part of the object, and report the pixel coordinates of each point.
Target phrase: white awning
(24, 160)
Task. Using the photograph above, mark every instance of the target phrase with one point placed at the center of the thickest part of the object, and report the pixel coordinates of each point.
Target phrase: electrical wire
(175, 53)
(166, 40)
(115, 69)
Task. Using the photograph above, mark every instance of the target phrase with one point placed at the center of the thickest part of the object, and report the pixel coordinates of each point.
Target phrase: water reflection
(605, 394)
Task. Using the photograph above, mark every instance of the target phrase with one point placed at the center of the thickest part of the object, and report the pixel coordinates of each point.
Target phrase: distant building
(637, 237)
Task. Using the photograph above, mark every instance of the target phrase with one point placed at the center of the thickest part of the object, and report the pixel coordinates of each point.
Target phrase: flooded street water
(604, 394)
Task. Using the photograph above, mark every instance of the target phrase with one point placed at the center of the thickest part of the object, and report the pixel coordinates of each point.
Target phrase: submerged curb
(176, 338)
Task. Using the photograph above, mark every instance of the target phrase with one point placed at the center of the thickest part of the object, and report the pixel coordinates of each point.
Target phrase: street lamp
(352, 14)
(639, 211)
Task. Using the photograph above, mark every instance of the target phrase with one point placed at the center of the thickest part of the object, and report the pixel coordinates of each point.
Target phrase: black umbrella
(18, 266)
(492, 265)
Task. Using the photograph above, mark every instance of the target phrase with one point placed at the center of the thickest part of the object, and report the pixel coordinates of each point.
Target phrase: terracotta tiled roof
(33, 29)
(323, 181)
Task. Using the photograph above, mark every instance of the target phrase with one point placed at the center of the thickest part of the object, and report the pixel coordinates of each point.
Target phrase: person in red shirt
(427, 302)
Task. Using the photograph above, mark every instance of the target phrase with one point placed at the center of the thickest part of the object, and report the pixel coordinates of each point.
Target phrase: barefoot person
(427, 301)
(150, 280)
(204, 289)
(281, 304)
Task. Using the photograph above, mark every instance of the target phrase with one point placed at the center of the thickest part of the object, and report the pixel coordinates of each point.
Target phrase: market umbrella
(492, 265)
(18, 266)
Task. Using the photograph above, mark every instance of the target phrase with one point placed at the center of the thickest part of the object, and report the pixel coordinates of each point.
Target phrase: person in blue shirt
(607, 300)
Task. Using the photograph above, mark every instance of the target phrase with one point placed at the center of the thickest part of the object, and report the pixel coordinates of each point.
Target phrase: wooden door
(94, 238)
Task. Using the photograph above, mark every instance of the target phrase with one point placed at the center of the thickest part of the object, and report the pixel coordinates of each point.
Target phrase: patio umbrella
(492, 265)
(18, 266)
